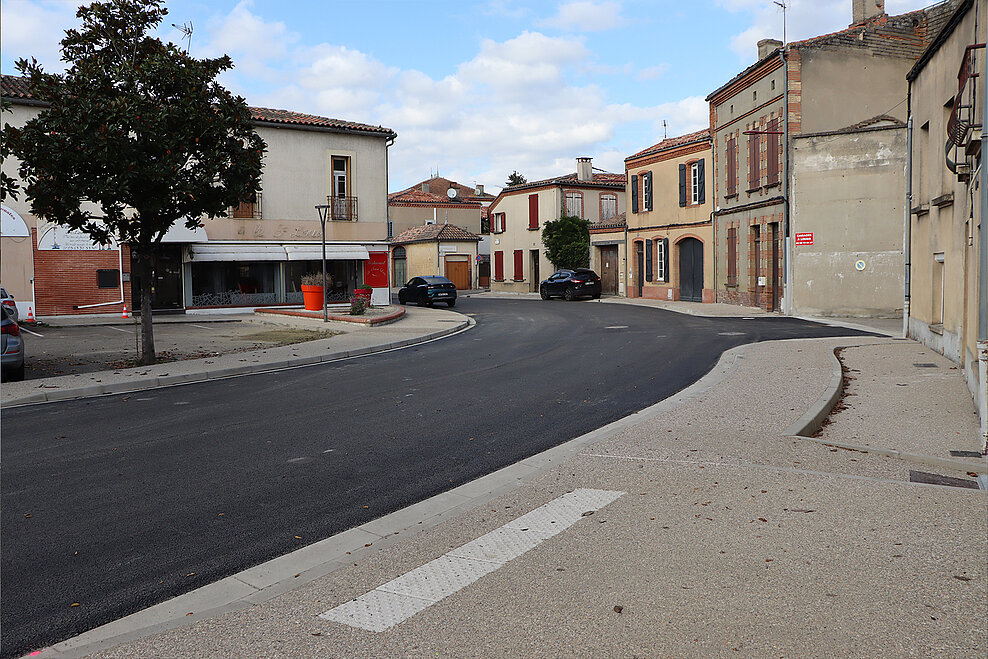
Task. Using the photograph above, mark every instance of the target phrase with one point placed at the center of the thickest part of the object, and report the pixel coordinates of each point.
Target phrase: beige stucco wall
(406, 217)
(429, 258)
(945, 228)
(849, 190)
(517, 235)
(17, 254)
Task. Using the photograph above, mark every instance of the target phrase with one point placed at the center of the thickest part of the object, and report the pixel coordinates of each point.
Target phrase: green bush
(358, 305)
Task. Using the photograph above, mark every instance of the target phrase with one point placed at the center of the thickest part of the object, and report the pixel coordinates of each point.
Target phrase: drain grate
(965, 454)
(938, 479)
(925, 365)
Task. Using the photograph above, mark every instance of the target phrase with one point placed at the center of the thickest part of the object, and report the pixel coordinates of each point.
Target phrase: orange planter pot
(313, 297)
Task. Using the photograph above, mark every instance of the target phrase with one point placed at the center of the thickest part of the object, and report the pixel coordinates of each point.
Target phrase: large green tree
(514, 178)
(135, 136)
(567, 242)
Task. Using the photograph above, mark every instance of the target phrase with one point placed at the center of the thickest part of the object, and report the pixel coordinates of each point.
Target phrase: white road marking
(202, 327)
(399, 599)
(616, 327)
(24, 329)
(118, 329)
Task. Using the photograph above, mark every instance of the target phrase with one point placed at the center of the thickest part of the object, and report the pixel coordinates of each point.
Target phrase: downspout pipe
(907, 229)
(983, 269)
(387, 207)
(787, 238)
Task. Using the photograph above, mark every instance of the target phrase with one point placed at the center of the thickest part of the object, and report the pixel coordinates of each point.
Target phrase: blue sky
(475, 89)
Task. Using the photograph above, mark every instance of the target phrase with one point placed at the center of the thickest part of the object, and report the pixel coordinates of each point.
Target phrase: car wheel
(544, 293)
(596, 296)
(451, 303)
(17, 374)
(569, 294)
(401, 299)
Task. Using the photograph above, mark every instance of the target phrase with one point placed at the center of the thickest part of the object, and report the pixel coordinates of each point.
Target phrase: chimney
(425, 187)
(584, 170)
(766, 47)
(480, 188)
(862, 10)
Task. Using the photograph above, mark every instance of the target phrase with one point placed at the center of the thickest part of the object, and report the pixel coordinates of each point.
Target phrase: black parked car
(427, 290)
(571, 284)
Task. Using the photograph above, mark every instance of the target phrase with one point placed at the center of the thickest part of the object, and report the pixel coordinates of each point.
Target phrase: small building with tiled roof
(256, 255)
(519, 212)
(804, 98)
(436, 249)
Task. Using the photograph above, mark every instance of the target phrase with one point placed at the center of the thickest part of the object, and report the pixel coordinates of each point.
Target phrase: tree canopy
(135, 136)
(515, 179)
(567, 242)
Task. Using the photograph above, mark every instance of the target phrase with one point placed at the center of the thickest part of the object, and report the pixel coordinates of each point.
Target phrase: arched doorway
(399, 269)
(691, 270)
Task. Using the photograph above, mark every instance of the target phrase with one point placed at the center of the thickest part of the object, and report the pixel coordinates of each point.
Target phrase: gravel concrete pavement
(730, 539)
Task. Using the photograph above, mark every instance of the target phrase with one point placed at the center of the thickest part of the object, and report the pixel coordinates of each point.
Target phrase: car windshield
(436, 280)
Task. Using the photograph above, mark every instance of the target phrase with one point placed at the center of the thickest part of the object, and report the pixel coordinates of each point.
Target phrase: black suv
(571, 284)
(428, 290)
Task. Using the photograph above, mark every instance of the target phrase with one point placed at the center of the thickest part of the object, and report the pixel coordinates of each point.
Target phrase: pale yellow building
(945, 292)
(519, 213)
(435, 249)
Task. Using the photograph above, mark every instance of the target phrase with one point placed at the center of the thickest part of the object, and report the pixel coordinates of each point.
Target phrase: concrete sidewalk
(415, 326)
(699, 527)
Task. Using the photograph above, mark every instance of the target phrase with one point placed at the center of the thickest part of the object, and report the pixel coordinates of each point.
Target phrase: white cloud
(652, 72)
(586, 16)
(35, 29)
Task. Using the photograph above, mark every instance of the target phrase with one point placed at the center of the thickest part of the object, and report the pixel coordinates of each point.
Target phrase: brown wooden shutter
(634, 193)
(499, 266)
(772, 155)
(754, 162)
(701, 184)
(732, 167)
(533, 211)
(649, 265)
(732, 256)
(519, 269)
(682, 185)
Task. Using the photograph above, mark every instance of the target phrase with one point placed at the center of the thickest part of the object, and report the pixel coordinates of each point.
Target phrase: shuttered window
(772, 154)
(634, 193)
(732, 167)
(574, 204)
(732, 256)
(648, 260)
(498, 266)
(661, 262)
(682, 185)
(519, 274)
(533, 211)
(647, 190)
(754, 162)
(608, 207)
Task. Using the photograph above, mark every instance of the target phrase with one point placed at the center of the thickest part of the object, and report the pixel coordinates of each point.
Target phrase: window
(519, 265)
(344, 205)
(634, 193)
(772, 153)
(248, 210)
(498, 266)
(574, 203)
(732, 167)
(773, 85)
(695, 183)
(647, 191)
(732, 256)
(660, 259)
(754, 96)
(498, 226)
(754, 160)
(608, 207)
(341, 166)
(533, 211)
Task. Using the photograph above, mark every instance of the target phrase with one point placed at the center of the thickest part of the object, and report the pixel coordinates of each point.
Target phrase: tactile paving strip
(401, 598)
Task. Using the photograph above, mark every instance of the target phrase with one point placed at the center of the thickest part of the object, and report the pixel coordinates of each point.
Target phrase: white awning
(333, 252)
(179, 233)
(13, 225)
(236, 253)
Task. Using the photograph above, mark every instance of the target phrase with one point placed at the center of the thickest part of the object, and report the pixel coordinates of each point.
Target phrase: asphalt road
(117, 503)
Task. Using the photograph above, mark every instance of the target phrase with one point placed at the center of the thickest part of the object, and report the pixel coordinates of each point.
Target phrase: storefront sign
(804, 238)
(376, 270)
(55, 237)
(12, 224)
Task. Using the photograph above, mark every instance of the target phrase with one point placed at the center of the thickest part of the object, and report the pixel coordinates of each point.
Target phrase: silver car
(11, 347)
(7, 302)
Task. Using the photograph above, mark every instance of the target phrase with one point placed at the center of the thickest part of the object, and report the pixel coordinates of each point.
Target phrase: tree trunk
(147, 261)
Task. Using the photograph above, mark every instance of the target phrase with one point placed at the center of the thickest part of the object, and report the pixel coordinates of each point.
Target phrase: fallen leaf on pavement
(75, 604)
(587, 513)
(618, 609)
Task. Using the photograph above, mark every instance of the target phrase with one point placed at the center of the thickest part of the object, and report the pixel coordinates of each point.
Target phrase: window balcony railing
(342, 209)
(247, 210)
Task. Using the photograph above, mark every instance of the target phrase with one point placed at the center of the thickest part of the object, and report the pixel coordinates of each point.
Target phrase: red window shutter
(519, 274)
(754, 162)
(533, 211)
(772, 154)
(499, 266)
(732, 167)
(732, 256)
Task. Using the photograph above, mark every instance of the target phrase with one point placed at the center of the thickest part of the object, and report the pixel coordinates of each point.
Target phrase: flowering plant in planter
(314, 279)
(358, 305)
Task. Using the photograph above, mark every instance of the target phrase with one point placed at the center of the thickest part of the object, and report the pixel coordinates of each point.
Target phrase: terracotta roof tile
(600, 179)
(15, 87)
(430, 232)
(439, 185)
(417, 196)
(671, 142)
(619, 221)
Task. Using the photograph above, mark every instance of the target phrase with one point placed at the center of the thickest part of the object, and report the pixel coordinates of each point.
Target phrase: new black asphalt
(113, 504)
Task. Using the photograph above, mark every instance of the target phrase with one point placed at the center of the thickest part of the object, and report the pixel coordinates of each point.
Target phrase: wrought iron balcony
(342, 209)
(247, 210)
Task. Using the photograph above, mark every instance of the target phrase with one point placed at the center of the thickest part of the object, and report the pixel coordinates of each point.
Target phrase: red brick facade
(64, 279)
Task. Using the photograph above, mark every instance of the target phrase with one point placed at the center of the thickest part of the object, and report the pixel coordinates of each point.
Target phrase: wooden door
(609, 270)
(691, 270)
(458, 272)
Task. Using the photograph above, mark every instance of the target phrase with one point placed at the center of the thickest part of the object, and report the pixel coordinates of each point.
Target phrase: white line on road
(24, 329)
(394, 602)
(118, 329)
(202, 327)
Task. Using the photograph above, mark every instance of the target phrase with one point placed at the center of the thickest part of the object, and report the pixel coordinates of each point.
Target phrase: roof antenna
(665, 131)
(186, 29)
(783, 5)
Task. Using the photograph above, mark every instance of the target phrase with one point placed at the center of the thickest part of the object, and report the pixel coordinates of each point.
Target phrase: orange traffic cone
(125, 316)
(30, 314)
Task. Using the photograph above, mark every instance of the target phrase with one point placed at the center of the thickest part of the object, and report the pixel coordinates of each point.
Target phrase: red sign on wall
(376, 270)
(804, 238)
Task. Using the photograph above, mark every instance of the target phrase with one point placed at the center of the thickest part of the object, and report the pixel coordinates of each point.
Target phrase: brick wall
(67, 278)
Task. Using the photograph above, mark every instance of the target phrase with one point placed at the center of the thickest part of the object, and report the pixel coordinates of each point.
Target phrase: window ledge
(937, 328)
(776, 184)
(920, 209)
(733, 195)
(943, 200)
(730, 285)
(750, 190)
(533, 228)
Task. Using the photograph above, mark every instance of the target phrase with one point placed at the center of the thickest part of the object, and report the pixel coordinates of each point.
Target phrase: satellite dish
(451, 193)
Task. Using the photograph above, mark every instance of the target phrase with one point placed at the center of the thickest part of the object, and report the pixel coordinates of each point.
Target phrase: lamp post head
(323, 210)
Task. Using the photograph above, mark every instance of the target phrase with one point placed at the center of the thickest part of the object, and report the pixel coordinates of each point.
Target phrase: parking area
(65, 350)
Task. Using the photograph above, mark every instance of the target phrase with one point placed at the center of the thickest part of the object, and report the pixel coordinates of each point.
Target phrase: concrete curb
(285, 573)
(154, 381)
(813, 419)
(360, 320)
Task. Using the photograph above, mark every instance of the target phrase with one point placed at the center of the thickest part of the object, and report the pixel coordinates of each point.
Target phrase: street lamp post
(323, 210)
